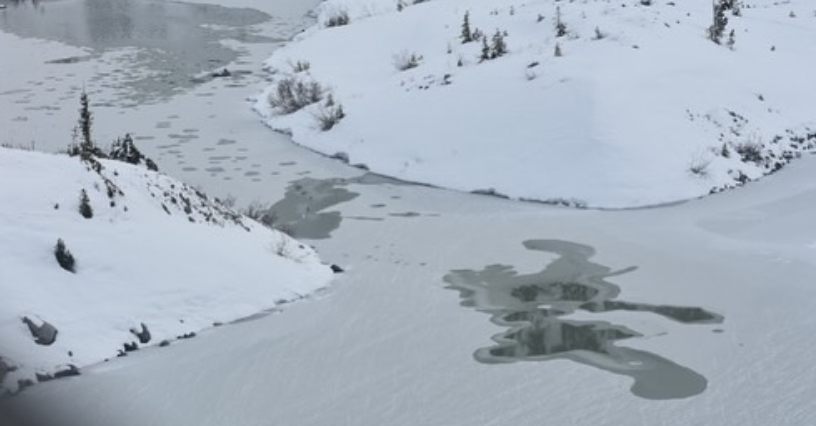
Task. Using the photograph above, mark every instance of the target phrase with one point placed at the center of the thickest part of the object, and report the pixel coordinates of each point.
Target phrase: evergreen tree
(64, 257)
(486, 54)
(467, 34)
(82, 131)
(85, 122)
(125, 150)
(560, 27)
(717, 28)
(85, 205)
(499, 47)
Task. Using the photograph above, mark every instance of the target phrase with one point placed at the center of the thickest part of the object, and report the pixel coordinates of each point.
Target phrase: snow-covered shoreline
(640, 109)
(156, 261)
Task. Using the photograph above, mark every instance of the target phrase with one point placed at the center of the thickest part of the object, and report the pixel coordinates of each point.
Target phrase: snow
(388, 344)
(141, 259)
(618, 121)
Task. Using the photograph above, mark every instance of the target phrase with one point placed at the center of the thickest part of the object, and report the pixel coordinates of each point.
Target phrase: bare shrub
(327, 116)
(337, 18)
(291, 94)
(260, 213)
(750, 150)
(404, 61)
(698, 165)
(301, 66)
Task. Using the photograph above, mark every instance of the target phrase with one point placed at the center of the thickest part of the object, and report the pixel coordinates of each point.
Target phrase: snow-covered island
(101, 257)
(588, 103)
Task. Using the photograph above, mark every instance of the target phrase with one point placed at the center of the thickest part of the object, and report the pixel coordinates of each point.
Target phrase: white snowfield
(158, 253)
(641, 107)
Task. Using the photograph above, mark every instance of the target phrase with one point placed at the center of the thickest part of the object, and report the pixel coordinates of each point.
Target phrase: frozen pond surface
(533, 306)
(175, 41)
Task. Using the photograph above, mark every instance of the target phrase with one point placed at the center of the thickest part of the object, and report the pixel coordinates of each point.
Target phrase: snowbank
(640, 108)
(156, 260)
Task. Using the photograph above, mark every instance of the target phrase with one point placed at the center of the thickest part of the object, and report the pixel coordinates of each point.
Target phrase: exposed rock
(223, 73)
(337, 269)
(4, 369)
(43, 377)
(143, 335)
(68, 371)
(44, 334)
(24, 383)
(130, 347)
(164, 343)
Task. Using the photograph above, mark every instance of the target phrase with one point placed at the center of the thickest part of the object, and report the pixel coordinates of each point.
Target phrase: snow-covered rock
(156, 260)
(640, 107)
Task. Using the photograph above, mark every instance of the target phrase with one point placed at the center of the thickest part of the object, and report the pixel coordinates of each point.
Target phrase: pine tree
(499, 47)
(82, 131)
(85, 205)
(85, 122)
(467, 34)
(486, 54)
(717, 28)
(560, 27)
(64, 257)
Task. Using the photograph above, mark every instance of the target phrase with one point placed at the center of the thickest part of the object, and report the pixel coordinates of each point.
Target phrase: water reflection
(532, 306)
(176, 41)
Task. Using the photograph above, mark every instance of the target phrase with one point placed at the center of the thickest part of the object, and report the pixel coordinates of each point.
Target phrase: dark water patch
(301, 211)
(174, 40)
(69, 60)
(365, 218)
(532, 306)
(405, 214)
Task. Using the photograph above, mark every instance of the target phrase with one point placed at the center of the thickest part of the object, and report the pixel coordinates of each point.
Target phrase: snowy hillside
(154, 260)
(595, 103)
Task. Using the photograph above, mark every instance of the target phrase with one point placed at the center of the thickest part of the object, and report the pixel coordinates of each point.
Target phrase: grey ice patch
(532, 307)
(301, 213)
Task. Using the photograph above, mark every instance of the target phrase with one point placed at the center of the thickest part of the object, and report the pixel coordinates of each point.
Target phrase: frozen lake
(720, 296)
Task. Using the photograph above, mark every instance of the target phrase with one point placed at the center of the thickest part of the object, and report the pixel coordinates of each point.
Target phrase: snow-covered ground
(641, 107)
(154, 253)
(388, 343)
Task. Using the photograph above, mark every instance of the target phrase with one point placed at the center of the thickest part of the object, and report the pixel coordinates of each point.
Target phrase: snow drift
(153, 260)
(594, 103)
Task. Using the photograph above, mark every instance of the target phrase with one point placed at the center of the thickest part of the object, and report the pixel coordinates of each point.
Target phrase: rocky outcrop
(43, 332)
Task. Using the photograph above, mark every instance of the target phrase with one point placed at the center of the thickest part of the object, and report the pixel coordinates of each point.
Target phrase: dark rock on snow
(143, 335)
(44, 334)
